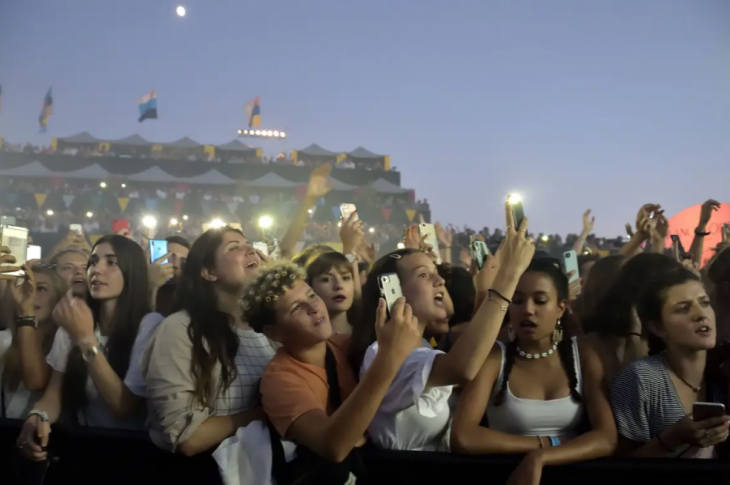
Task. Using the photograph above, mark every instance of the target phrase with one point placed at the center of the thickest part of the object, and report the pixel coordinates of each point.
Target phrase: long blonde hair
(12, 375)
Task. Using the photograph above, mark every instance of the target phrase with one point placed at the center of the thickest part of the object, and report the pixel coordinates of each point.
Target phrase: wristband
(554, 441)
(26, 321)
(492, 290)
(40, 413)
(700, 233)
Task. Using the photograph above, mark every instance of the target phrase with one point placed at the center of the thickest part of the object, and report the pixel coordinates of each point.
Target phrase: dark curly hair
(565, 347)
(261, 293)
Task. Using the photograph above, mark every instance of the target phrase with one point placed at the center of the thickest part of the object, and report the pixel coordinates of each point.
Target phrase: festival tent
(272, 180)
(316, 151)
(132, 140)
(183, 142)
(33, 169)
(236, 146)
(154, 174)
(213, 177)
(384, 187)
(82, 138)
(361, 152)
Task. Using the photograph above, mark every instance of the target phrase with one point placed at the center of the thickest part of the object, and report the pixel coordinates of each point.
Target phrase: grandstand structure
(83, 175)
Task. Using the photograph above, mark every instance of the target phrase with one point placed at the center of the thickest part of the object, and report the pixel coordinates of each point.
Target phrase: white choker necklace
(537, 356)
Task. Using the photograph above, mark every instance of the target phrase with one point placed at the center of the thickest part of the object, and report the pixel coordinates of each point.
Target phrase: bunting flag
(232, 207)
(386, 213)
(150, 204)
(178, 206)
(123, 201)
(148, 106)
(68, 200)
(46, 111)
(411, 213)
(253, 112)
(336, 212)
(40, 199)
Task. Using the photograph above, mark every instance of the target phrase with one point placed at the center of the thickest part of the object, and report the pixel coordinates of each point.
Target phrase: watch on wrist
(352, 257)
(88, 353)
(26, 321)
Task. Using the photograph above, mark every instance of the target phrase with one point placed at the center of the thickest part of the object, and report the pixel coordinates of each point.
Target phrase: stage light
(150, 222)
(49, 212)
(102, 185)
(185, 217)
(217, 223)
(310, 211)
(282, 134)
(371, 230)
(241, 132)
(276, 133)
(173, 222)
(89, 214)
(545, 237)
(124, 186)
(257, 132)
(265, 222)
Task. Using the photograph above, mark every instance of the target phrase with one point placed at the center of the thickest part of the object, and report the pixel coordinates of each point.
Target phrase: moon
(180, 11)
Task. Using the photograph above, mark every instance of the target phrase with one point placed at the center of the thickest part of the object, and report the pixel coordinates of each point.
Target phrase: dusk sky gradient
(602, 104)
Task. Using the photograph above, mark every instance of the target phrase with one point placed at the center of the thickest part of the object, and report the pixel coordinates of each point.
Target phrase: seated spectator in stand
(202, 368)
(535, 392)
(309, 391)
(95, 348)
(23, 357)
(653, 398)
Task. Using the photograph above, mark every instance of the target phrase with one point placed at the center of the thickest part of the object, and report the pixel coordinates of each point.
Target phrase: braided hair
(261, 293)
(565, 346)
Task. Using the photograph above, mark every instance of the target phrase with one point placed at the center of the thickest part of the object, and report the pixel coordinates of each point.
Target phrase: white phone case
(429, 231)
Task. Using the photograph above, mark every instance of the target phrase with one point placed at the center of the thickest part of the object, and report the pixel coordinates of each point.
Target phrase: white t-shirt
(411, 415)
(96, 413)
(17, 403)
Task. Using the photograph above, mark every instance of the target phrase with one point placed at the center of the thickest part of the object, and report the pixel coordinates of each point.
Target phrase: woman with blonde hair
(23, 347)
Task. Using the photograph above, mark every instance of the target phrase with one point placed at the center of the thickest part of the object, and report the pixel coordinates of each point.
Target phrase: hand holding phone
(346, 210)
(570, 264)
(518, 211)
(390, 290)
(479, 252)
(158, 249)
(15, 239)
(428, 232)
(397, 330)
(706, 410)
(261, 247)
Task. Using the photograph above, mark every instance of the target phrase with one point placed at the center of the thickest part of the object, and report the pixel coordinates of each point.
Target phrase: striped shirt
(645, 402)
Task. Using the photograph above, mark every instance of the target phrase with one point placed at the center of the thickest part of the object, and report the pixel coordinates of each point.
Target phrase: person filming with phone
(672, 403)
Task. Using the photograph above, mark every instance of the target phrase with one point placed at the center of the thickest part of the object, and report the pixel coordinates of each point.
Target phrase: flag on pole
(148, 107)
(253, 112)
(46, 111)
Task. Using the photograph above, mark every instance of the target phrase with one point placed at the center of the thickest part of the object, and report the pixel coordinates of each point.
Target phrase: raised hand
(645, 217)
(160, 273)
(588, 222)
(351, 233)
(366, 251)
(706, 212)
(445, 237)
(7, 265)
(74, 316)
(399, 334)
(319, 182)
(24, 294)
(413, 239)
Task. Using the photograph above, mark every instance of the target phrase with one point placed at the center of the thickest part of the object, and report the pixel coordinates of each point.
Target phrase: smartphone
(346, 210)
(390, 290)
(570, 263)
(479, 252)
(276, 251)
(33, 252)
(518, 213)
(158, 248)
(425, 229)
(15, 238)
(675, 239)
(261, 247)
(76, 227)
(119, 225)
(8, 221)
(707, 410)
(726, 231)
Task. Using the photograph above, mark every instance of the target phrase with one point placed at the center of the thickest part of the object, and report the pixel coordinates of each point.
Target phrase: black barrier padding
(103, 457)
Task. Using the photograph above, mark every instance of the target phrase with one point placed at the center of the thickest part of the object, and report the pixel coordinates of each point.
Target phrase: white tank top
(534, 417)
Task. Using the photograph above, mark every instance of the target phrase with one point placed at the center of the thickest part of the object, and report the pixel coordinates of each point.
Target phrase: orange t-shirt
(290, 388)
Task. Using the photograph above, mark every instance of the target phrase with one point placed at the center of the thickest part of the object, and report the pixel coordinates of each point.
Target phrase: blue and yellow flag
(47, 110)
(253, 112)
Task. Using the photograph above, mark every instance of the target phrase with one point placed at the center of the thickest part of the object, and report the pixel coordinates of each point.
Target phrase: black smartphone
(675, 239)
(518, 213)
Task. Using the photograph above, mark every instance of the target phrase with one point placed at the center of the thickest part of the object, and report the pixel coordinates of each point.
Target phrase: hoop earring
(511, 333)
(558, 333)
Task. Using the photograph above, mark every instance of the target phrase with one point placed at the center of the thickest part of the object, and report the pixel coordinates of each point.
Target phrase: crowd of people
(306, 358)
